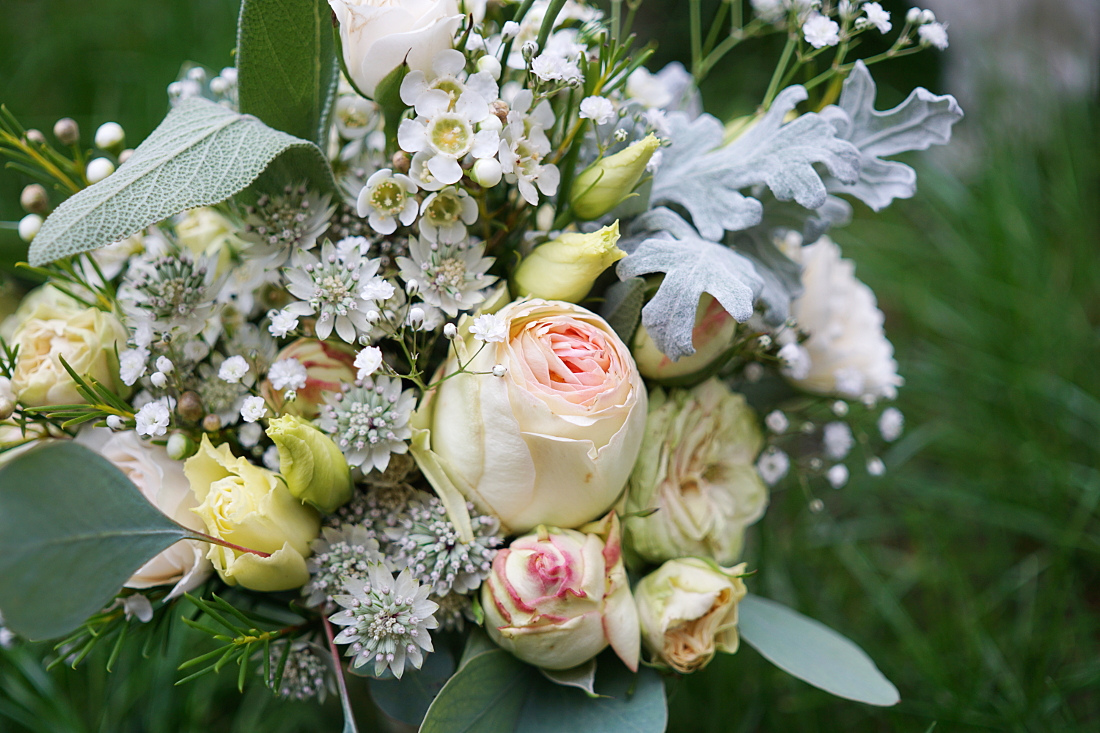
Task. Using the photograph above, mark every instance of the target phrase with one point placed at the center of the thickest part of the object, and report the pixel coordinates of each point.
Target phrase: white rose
(848, 350)
(554, 438)
(162, 481)
(377, 35)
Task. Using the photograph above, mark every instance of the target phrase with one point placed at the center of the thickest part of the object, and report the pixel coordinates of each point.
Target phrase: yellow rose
(251, 507)
(313, 466)
(566, 268)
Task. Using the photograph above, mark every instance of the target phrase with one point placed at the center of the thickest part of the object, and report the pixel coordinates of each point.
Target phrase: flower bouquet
(430, 343)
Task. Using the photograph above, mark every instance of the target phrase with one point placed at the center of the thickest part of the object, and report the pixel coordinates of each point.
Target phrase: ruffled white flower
(387, 199)
(837, 475)
(371, 422)
(445, 214)
(773, 465)
(838, 440)
(444, 129)
(253, 409)
(933, 34)
(848, 351)
(132, 365)
(287, 374)
(451, 277)
(489, 328)
(152, 419)
(377, 289)
(282, 323)
(524, 145)
(874, 15)
(820, 31)
(549, 66)
(330, 287)
(233, 369)
(890, 424)
(598, 109)
(367, 361)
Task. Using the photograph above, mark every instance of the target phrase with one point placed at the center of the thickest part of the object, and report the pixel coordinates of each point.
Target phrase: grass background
(970, 572)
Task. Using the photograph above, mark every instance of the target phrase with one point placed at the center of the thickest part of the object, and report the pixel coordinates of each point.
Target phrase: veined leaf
(782, 277)
(408, 699)
(921, 121)
(812, 652)
(286, 65)
(73, 529)
(484, 696)
(200, 154)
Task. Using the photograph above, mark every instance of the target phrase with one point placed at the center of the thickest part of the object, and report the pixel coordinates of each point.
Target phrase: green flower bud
(607, 182)
(566, 268)
(313, 466)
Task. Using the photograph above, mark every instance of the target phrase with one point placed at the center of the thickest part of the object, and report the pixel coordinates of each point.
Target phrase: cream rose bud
(553, 439)
(712, 338)
(328, 366)
(251, 507)
(51, 326)
(162, 481)
(313, 466)
(378, 35)
(697, 470)
(688, 611)
(558, 597)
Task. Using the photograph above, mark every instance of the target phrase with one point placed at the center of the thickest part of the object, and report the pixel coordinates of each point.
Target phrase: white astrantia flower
(330, 288)
(171, 292)
(838, 440)
(451, 277)
(253, 409)
(444, 129)
(933, 34)
(820, 31)
(132, 365)
(370, 422)
(837, 475)
(773, 465)
(445, 214)
(306, 674)
(233, 369)
(875, 16)
(287, 374)
(152, 419)
(386, 199)
(339, 554)
(890, 424)
(386, 620)
(489, 328)
(367, 361)
(285, 223)
(282, 323)
(598, 109)
(523, 146)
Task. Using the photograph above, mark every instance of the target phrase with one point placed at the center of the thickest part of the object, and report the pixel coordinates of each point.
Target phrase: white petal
(528, 191)
(469, 209)
(549, 178)
(448, 62)
(433, 103)
(412, 86)
(408, 214)
(485, 144)
(472, 106)
(446, 170)
(412, 136)
(382, 224)
(344, 329)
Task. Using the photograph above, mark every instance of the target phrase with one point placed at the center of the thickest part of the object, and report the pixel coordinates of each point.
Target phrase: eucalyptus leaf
(408, 699)
(622, 306)
(692, 266)
(704, 178)
(921, 121)
(73, 529)
(812, 652)
(286, 65)
(202, 153)
(583, 677)
(485, 696)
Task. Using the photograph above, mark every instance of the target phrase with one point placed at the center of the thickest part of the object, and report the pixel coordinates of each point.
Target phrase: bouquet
(445, 344)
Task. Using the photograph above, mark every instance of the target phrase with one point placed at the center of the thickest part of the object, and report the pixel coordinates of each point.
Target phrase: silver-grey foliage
(705, 179)
(199, 155)
(922, 120)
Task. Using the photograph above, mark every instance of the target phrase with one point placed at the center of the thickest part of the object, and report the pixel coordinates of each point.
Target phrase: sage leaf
(202, 153)
(73, 529)
(812, 652)
(921, 121)
(286, 65)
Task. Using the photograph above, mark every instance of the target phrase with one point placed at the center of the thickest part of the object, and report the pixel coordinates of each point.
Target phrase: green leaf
(73, 529)
(286, 65)
(622, 306)
(200, 154)
(582, 677)
(812, 652)
(484, 697)
(408, 699)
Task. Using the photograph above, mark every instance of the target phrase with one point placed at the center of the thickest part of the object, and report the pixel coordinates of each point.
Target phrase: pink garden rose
(328, 365)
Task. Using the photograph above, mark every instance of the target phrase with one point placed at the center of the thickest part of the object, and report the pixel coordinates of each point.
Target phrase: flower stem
(341, 683)
(203, 537)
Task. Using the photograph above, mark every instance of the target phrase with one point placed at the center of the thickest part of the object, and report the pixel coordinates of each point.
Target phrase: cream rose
(162, 481)
(52, 326)
(849, 354)
(378, 35)
(558, 597)
(688, 611)
(553, 440)
(697, 470)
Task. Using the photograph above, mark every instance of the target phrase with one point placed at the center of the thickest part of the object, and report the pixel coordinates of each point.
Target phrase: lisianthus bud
(688, 611)
(328, 366)
(558, 597)
(250, 506)
(313, 466)
(712, 338)
(607, 182)
(696, 469)
(180, 446)
(566, 268)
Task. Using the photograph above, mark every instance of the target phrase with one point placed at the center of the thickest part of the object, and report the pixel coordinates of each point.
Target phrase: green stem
(616, 19)
(203, 537)
(696, 37)
(715, 28)
(780, 69)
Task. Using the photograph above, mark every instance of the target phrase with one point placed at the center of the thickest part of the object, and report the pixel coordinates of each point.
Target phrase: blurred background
(970, 572)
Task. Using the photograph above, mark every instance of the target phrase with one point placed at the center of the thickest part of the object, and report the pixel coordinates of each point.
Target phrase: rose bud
(688, 610)
(566, 268)
(697, 470)
(313, 466)
(558, 597)
(328, 366)
(712, 338)
(553, 438)
(609, 181)
(251, 507)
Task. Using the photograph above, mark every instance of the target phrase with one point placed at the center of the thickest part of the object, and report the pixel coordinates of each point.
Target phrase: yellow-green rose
(251, 507)
(313, 466)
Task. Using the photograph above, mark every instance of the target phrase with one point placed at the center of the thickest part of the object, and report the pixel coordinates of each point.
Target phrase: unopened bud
(529, 49)
(67, 131)
(180, 446)
(840, 408)
(499, 370)
(401, 162)
(159, 380)
(125, 155)
(114, 422)
(29, 226)
(490, 66)
(913, 16)
(416, 316)
(34, 199)
(487, 172)
(36, 137)
(450, 331)
(567, 267)
(110, 136)
(927, 16)
(211, 423)
(190, 407)
(510, 30)
(609, 181)
(499, 109)
(412, 287)
(99, 169)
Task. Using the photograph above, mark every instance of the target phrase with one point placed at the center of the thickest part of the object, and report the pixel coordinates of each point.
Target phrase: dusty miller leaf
(922, 120)
(704, 178)
(622, 306)
(782, 277)
(199, 155)
(692, 266)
